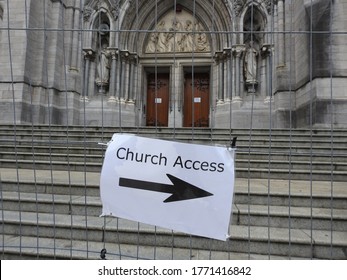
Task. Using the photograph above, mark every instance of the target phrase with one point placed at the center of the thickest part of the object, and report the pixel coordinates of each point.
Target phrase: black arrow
(180, 190)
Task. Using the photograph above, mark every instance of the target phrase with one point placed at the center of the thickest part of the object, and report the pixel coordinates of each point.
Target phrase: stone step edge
(239, 190)
(172, 130)
(257, 233)
(238, 208)
(199, 140)
(97, 152)
(254, 169)
(40, 248)
(240, 160)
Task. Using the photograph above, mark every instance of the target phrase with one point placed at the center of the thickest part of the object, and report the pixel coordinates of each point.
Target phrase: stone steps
(243, 214)
(41, 248)
(243, 151)
(73, 133)
(243, 161)
(52, 208)
(252, 171)
(78, 154)
(244, 239)
(172, 130)
(259, 192)
(316, 154)
(242, 140)
(291, 207)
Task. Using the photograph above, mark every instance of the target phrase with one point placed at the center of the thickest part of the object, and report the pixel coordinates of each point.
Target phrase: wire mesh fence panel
(267, 77)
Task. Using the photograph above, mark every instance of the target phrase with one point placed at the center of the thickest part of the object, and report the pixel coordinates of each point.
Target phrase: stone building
(202, 63)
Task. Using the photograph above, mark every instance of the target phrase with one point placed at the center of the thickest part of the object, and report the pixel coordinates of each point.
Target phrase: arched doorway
(181, 95)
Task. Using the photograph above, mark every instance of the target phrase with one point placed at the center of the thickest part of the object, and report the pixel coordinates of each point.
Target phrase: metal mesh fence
(270, 73)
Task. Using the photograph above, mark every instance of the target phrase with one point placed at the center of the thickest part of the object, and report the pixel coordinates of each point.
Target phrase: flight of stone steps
(290, 196)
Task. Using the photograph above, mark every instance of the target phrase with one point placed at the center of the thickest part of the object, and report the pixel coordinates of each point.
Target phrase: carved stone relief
(238, 6)
(269, 5)
(87, 13)
(178, 32)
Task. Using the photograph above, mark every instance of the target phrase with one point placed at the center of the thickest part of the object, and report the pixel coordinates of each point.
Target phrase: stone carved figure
(103, 66)
(177, 27)
(152, 43)
(250, 64)
(162, 37)
(188, 38)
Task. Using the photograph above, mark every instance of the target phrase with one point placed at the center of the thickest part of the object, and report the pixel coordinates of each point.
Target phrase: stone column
(227, 74)
(230, 77)
(237, 51)
(133, 77)
(219, 62)
(125, 78)
(68, 23)
(266, 53)
(75, 39)
(113, 74)
(118, 76)
(89, 55)
(281, 44)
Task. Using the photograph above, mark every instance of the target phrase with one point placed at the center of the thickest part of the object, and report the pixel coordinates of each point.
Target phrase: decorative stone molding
(113, 52)
(227, 52)
(238, 6)
(125, 55)
(89, 54)
(115, 12)
(238, 50)
(269, 5)
(87, 11)
(218, 56)
(266, 50)
(178, 33)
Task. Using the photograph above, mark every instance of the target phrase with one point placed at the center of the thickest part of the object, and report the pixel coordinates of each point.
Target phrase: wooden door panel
(196, 108)
(157, 100)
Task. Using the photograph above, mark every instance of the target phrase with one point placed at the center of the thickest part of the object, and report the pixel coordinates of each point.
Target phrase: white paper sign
(197, 99)
(183, 187)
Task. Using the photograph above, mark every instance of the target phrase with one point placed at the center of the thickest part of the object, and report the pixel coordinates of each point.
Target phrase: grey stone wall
(302, 76)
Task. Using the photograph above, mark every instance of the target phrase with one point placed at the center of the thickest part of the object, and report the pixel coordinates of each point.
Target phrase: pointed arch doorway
(181, 97)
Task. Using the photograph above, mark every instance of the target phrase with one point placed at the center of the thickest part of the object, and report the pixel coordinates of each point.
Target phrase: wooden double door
(195, 101)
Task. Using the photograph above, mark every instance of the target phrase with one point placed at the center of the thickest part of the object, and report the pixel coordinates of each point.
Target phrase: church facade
(202, 63)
